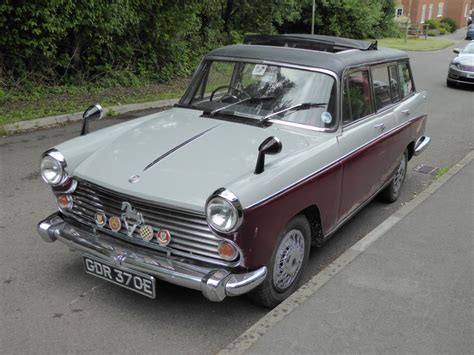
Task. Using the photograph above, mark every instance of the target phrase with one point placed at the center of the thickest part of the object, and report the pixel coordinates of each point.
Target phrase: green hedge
(124, 42)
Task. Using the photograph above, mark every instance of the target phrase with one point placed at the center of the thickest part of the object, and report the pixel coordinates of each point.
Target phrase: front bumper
(460, 76)
(215, 283)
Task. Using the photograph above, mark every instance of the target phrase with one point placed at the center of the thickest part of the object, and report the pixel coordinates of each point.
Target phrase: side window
(406, 82)
(381, 84)
(356, 97)
(394, 83)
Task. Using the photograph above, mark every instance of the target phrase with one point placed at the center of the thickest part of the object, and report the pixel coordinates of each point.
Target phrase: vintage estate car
(461, 68)
(275, 144)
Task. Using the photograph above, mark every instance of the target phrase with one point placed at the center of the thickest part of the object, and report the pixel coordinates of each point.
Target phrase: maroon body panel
(264, 222)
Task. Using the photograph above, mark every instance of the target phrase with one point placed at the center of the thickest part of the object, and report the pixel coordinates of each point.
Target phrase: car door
(408, 109)
(361, 142)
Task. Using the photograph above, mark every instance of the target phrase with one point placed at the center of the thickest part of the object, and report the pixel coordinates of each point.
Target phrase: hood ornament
(134, 178)
(131, 218)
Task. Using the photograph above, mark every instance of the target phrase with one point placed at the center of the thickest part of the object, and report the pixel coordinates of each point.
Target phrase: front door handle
(406, 112)
(380, 126)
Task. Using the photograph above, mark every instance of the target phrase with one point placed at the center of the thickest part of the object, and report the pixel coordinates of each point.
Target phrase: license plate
(132, 280)
(470, 75)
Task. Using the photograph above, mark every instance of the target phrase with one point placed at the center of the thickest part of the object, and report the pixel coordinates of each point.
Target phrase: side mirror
(93, 113)
(456, 50)
(271, 146)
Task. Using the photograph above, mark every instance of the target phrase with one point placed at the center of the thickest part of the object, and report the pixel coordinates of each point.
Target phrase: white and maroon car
(275, 144)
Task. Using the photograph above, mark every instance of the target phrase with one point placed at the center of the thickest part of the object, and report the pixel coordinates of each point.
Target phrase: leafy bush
(128, 42)
(450, 24)
(433, 24)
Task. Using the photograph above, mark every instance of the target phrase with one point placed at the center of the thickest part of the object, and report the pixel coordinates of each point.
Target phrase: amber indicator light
(227, 250)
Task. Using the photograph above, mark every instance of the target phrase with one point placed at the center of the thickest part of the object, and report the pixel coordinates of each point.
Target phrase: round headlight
(223, 211)
(52, 168)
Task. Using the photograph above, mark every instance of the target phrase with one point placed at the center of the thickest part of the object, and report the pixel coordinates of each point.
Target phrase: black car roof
(325, 52)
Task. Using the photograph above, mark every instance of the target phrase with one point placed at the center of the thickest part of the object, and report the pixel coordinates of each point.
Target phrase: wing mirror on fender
(271, 146)
(93, 113)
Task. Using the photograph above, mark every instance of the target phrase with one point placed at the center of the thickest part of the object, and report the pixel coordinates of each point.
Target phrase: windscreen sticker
(326, 117)
(259, 69)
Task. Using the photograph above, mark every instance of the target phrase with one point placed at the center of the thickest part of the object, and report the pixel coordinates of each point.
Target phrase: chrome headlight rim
(227, 197)
(61, 161)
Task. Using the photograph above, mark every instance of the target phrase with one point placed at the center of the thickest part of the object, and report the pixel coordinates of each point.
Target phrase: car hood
(464, 59)
(179, 157)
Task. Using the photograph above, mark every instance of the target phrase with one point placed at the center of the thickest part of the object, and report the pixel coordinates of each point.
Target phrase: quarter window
(357, 100)
(406, 81)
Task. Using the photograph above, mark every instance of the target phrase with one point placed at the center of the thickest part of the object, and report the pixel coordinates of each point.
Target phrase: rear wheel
(286, 265)
(392, 192)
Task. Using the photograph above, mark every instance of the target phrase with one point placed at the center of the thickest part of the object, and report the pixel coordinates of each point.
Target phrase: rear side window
(381, 82)
(357, 101)
(406, 81)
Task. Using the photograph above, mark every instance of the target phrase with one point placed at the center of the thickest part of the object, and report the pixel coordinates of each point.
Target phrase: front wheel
(392, 192)
(286, 265)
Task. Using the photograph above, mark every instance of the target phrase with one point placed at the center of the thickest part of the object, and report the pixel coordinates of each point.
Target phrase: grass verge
(414, 44)
(21, 105)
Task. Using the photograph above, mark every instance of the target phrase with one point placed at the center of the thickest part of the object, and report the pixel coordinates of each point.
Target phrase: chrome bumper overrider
(421, 144)
(215, 283)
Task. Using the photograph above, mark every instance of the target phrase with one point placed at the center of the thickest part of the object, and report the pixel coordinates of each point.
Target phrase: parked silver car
(461, 68)
(275, 144)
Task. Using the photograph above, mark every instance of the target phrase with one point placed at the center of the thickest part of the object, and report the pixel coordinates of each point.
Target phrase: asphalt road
(49, 305)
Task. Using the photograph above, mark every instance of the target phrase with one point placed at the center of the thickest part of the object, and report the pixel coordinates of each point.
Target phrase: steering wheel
(228, 95)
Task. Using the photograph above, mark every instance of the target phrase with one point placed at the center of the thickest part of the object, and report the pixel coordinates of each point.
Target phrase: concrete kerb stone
(24, 126)
(243, 343)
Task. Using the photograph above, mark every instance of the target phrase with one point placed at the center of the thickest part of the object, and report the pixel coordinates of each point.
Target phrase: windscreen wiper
(292, 109)
(248, 99)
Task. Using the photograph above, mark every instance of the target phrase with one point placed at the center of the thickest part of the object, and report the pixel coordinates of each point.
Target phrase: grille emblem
(100, 219)
(115, 224)
(146, 232)
(131, 218)
(163, 237)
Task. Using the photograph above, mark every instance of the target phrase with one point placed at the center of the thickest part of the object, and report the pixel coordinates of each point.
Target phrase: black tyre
(392, 192)
(450, 84)
(286, 266)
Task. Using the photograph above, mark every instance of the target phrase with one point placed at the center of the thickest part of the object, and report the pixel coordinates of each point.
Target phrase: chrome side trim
(333, 163)
(421, 144)
(215, 284)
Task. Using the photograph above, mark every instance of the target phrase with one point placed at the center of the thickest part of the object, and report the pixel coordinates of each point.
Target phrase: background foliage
(126, 42)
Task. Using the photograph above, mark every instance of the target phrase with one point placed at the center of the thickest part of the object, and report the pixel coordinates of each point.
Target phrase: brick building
(421, 10)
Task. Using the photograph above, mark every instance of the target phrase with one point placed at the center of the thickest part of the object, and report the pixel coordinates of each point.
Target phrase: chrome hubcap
(399, 175)
(288, 260)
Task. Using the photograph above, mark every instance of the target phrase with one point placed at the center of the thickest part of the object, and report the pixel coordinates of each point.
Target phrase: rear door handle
(380, 126)
(406, 112)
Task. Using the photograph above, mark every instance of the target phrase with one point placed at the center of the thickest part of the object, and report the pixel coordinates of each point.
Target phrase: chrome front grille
(190, 233)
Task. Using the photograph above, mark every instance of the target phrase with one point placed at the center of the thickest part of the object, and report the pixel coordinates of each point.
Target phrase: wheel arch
(313, 216)
(411, 150)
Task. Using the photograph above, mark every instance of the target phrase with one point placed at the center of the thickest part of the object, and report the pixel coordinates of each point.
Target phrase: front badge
(115, 224)
(100, 219)
(163, 237)
(146, 233)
